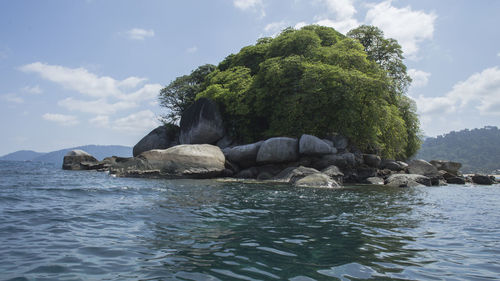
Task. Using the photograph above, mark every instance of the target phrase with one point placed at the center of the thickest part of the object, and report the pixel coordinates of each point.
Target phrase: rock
(407, 180)
(278, 150)
(482, 179)
(403, 165)
(372, 160)
(181, 161)
(224, 142)
(422, 167)
(316, 180)
(374, 181)
(390, 165)
(340, 142)
(456, 180)
(334, 173)
(448, 166)
(311, 145)
(201, 123)
(249, 173)
(292, 174)
(365, 171)
(343, 160)
(80, 160)
(162, 137)
(243, 155)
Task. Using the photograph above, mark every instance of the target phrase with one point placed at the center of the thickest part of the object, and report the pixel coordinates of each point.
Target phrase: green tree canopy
(313, 80)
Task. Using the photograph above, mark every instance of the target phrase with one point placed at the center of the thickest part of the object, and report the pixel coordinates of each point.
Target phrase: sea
(85, 225)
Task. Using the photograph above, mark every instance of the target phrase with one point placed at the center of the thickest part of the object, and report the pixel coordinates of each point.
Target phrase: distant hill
(56, 157)
(478, 149)
(21, 155)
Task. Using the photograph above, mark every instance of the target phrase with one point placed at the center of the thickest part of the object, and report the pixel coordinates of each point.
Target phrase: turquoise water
(63, 225)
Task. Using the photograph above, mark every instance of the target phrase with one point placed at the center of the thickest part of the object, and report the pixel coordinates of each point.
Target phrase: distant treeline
(478, 149)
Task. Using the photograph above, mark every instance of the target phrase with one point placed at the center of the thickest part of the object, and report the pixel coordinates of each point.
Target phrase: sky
(89, 71)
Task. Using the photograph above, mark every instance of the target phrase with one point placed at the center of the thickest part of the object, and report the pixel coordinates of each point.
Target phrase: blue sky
(89, 71)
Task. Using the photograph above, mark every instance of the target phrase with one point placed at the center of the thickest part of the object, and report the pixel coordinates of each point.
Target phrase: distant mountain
(98, 151)
(478, 150)
(21, 155)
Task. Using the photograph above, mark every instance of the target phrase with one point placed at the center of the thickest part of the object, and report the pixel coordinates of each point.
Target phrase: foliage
(181, 92)
(313, 80)
(478, 150)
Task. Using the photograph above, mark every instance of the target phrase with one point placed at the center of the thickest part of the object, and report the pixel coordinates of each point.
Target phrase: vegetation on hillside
(314, 80)
(478, 150)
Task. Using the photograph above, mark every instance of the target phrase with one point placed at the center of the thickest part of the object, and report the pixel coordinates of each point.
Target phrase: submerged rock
(316, 180)
(80, 160)
(407, 180)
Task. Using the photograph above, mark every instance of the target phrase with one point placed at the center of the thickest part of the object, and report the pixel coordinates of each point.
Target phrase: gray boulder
(422, 167)
(372, 160)
(278, 150)
(391, 165)
(292, 174)
(181, 161)
(311, 145)
(334, 173)
(374, 181)
(340, 142)
(317, 180)
(201, 123)
(448, 166)
(243, 155)
(162, 137)
(407, 180)
(343, 160)
(250, 173)
(482, 179)
(80, 160)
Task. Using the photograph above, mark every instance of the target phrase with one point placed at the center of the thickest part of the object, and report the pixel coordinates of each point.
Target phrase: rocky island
(311, 107)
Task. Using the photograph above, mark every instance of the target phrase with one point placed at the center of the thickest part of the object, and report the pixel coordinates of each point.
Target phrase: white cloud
(35, 90)
(192, 50)
(110, 95)
(299, 25)
(341, 15)
(250, 5)
(139, 33)
(100, 106)
(498, 54)
(13, 98)
(480, 91)
(65, 120)
(275, 28)
(101, 121)
(138, 122)
(420, 78)
(408, 26)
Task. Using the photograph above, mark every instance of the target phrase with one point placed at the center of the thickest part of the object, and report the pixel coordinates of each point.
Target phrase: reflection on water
(77, 225)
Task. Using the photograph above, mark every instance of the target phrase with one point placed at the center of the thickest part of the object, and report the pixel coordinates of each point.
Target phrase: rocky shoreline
(200, 148)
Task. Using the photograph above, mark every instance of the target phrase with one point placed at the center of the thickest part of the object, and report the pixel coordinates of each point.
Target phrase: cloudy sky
(89, 71)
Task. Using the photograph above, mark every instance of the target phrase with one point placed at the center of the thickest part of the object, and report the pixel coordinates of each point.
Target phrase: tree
(181, 92)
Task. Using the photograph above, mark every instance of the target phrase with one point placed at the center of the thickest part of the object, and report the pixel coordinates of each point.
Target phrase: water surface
(66, 225)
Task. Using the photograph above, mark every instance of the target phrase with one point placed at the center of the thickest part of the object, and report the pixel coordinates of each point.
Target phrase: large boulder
(278, 150)
(80, 160)
(422, 167)
(340, 142)
(448, 166)
(162, 137)
(372, 160)
(342, 160)
(292, 174)
(243, 155)
(181, 161)
(316, 180)
(482, 179)
(407, 180)
(311, 145)
(391, 165)
(334, 173)
(201, 123)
